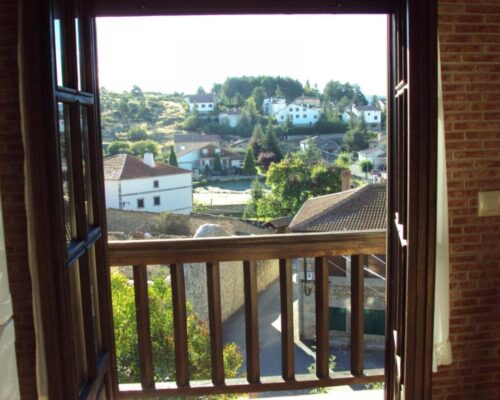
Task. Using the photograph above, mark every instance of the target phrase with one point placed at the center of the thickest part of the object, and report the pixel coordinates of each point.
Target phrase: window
(375, 117)
(282, 117)
(140, 203)
(156, 200)
(156, 183)
(315, 117)
(290, 109)
(204, 151)
(297, 116)
(203, 106)
(296, 108)
(210, 106)
(304, 116)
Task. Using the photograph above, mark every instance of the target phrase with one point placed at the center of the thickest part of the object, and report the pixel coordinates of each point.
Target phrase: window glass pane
(58, 45)
(66, 176)
(86, 164)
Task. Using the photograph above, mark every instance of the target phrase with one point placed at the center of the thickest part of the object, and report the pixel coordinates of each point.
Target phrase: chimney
(346, 180)
(149, 159)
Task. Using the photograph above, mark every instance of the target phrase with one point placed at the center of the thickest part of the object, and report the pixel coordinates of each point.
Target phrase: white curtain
(442, 347)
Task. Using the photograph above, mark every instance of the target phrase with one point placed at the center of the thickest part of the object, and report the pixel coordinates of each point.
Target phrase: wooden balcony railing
(212, 251)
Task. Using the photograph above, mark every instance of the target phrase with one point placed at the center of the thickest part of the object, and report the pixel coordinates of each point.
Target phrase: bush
(161, 323)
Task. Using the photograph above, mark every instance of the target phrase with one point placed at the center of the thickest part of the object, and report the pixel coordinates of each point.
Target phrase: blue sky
(170, 54)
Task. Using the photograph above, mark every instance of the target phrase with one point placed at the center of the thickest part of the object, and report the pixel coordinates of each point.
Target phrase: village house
(371, 115)
(199, 156)
(377, 156)
(272, 106)
(230, 117)
(308, 101)
(360, 209)
(145, 185)
(203, 103)
(329, 149)
(299, 116)
(48, 272)
(183, 140)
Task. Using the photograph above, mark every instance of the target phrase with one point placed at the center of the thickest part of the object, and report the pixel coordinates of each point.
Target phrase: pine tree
(172, 158)
(249, 163)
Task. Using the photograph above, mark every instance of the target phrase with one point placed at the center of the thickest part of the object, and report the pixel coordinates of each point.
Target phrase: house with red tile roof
(145, 185)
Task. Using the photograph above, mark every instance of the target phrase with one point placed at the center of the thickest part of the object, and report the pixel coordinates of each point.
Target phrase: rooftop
(125, 166)
(360, 209)
(195, 138)
(201, 98)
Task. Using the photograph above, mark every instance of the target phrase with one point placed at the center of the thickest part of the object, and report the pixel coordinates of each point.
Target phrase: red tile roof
(124, 166)
(360, 209)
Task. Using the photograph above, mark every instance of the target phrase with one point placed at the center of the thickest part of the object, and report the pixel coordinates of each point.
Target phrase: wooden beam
(215, 322)
(357, 315)
(261, 247)
(322, 329)
(251, 321)
(287, 342)
(143, 327)
(180, 325)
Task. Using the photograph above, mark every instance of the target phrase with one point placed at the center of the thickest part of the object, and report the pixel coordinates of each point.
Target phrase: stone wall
(231, 281)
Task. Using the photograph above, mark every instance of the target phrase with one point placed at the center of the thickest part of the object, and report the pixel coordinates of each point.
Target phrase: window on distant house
(205, 151)
(140, 203)
(282, 117)
(210, 105)
(156, 184)
(315, 117)
(375, 117)
(291, 109)
(156, 200)
(203, 106)
(296, 108)
(304, 116)
(297, 116)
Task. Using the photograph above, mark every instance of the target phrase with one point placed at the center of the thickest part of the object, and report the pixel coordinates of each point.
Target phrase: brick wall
(470, 54)
(12, 189)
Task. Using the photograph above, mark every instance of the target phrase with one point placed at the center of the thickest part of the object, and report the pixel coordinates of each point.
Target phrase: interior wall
(470, 54)
(12, 184)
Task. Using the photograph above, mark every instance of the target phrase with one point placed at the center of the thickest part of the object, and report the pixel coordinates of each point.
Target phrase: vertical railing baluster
(322, 339)
(215, 322)
(251, 321)
(357, 314)
(180, 326)
(287, 342)
(143, 327)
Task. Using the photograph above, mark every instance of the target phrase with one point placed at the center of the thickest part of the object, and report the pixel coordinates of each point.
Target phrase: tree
(311, 153)
(249, 163)
(270, 141)
(256, 193)
(358, 137)
(258, 95)
(366, 166)
(266, 158)
(237, 100)
(172, 158)
(217, 163)
(292, 182)
(144, 146)
(118, 147)
(343, 160)
(200, 90)
(137, 133)
(256, 139)
(161, 311)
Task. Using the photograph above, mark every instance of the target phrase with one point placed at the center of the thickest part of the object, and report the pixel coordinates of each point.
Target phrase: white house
(197, 156)
(299, 115)
(184, 140)
(377, 156)
(133, 184)
(230, 117)
(371, 114)
(272, 106)
(203, 103)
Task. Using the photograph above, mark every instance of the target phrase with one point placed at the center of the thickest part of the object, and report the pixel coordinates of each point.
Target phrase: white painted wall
(190, 160)
(231, 119)
(300, 116)
(273, 106)
(111, 193)
(9, 384)
(175, 192)
(202, 107)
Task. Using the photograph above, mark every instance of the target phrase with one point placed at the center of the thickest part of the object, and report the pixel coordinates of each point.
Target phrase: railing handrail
(237, 248)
